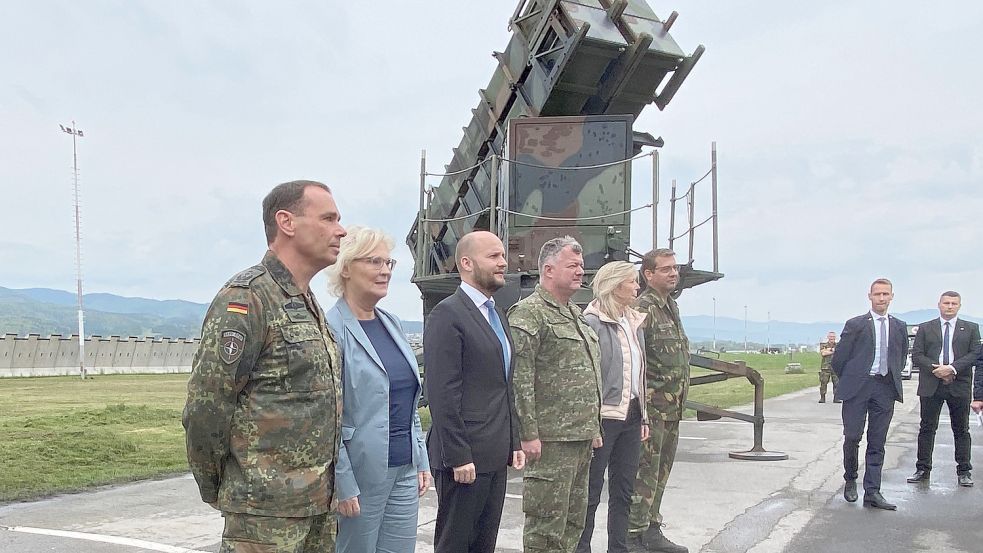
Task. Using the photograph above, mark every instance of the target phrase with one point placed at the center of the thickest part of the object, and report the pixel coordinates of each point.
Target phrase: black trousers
(468, 515)
(874, 403)
(958, 419)
(619, 456)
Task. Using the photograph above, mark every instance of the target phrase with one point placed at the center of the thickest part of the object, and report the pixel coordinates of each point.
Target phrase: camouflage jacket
(666, 356)
(827, 360)
(263, 414)
(557, 379)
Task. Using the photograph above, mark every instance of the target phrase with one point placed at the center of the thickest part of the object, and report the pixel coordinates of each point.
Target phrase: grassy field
(738, 391)
(63, 434)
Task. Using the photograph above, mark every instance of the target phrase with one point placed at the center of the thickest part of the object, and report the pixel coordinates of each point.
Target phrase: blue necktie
(496, 324)
(945, 345)
(882, 362)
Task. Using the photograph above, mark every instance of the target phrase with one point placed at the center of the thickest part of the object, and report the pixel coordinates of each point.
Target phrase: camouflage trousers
(654, 465)
(246, 533)
(554, 497)
(824, 377)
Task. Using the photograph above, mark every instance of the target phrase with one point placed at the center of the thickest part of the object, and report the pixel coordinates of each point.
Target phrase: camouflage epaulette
(244, 278)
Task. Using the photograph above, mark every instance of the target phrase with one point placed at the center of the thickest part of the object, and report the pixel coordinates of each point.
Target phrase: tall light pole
(745, 329)
(714, 324)
(76, 134)
(768, 335)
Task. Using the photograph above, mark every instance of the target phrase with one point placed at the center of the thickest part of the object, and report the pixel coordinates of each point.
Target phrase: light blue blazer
(363, 457)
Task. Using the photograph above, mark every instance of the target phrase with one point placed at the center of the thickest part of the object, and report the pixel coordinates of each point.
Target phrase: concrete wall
(57, 355)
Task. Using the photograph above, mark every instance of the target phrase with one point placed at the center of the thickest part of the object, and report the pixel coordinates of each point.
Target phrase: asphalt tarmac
(713, 503)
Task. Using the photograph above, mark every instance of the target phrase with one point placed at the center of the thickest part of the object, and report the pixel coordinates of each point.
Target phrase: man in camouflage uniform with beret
(263, 413)
(826, 373)
(557, 399)
(667, 376)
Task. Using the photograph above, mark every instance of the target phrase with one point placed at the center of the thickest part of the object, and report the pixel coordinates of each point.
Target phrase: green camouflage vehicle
(545, 152)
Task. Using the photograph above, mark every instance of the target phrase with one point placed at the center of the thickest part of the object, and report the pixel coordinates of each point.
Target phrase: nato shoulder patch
(243, 279)
(232, 342)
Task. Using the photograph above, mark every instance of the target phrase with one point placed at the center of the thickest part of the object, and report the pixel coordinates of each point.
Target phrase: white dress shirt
(952, 334)
(636, 356)
(877, 339)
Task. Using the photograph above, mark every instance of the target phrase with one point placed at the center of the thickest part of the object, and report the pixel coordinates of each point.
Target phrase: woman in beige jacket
(624, 422)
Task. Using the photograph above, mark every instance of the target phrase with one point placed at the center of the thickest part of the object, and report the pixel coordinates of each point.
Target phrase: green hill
(43, 311)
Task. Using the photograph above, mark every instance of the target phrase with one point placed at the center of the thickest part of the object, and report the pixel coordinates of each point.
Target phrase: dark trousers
(468, 515)
(958, 419)
(619, 456)
(874, 401)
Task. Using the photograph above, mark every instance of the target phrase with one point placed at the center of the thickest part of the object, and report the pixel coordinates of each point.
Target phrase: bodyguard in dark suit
(468, 377)
(977, 404)
(868, 362)
(944, 352)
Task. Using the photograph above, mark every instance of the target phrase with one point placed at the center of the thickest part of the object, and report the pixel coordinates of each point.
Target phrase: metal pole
(713, 173)
(655, 199)
(75, 132)
(768, 335)
(745, 329)
(714, 324)
(691, 206)
(493, 196)
(672, 214)
(419, 217)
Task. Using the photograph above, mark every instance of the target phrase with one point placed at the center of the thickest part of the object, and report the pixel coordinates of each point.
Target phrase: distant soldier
(557, 399)
(263, 414)
(667, 377)
(826, 373)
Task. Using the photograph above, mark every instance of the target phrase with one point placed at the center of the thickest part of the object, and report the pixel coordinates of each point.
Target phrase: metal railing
(738, 369)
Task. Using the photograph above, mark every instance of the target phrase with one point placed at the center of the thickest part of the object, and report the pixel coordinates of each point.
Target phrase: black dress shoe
(965, 480)
(920, 476)
(837, 401)
(877, 501)
(850, 490)
(822, 399)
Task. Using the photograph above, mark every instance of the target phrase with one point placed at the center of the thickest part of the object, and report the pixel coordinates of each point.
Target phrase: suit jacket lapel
(959, 337)
(476, 315)
(355, 328)
(479, 320)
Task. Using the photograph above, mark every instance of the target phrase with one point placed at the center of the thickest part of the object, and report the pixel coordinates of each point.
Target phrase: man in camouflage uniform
(667, 375)
(826, 373)
(557, 399)
(263, 414)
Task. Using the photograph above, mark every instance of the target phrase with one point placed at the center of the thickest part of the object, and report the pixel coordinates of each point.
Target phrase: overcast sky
(849, 136)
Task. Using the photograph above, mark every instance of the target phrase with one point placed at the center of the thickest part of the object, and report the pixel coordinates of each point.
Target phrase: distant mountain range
(45, 311)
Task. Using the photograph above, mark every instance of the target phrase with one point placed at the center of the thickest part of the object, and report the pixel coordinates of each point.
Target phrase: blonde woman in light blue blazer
(382, 468)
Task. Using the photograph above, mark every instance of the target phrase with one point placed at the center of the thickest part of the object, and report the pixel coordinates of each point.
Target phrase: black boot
(654, 540)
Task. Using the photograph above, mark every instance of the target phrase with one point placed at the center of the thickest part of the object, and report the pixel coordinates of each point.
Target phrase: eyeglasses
(378, 262)
(666, 269)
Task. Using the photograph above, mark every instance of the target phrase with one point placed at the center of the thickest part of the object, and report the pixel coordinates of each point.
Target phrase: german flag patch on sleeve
(240, 308)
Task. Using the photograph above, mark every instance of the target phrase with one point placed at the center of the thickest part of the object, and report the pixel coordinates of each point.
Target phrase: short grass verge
(63, 434)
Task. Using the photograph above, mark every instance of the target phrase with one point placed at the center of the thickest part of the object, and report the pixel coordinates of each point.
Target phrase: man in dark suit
(944, 352)
(468, 377)
(977, 404)
(868, 362)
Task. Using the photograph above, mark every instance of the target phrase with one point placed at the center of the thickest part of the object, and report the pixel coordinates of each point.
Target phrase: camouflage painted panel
(537, 144)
